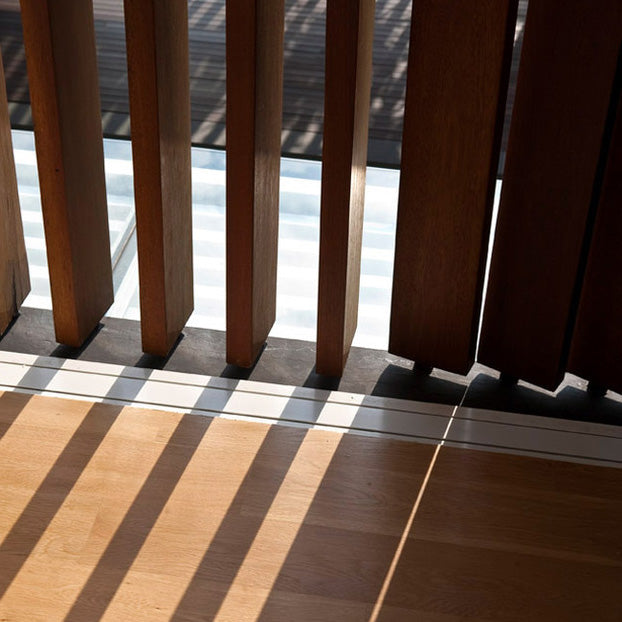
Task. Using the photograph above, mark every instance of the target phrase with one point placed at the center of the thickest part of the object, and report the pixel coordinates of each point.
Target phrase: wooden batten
(349, 41)
(455, 102)
(567, 69)
(159, 87)
(59, 40)
(14, 278)
(596, 352)
(254, 110)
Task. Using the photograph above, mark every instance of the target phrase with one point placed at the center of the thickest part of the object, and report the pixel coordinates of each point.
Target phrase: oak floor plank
(484, 584)
(122, 513)
(500, 537)
(532, 506)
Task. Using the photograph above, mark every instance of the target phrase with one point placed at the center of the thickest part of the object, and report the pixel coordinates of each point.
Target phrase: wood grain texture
(349, 39)
(59, 41)
(146, 515)
(596, 351)
(14, 278)
(118, 513)
(254, 108)
(157, 57)
(455, 103)
(500, 537)
(564, 85)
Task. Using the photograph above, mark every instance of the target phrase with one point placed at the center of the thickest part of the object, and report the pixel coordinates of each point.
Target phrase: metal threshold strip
(311, 408)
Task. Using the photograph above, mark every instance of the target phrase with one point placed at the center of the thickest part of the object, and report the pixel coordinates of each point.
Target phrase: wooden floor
(116, 513)
(303, 96)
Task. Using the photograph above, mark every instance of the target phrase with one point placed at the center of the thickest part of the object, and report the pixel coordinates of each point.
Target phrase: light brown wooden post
(254, 107)
(596, 352)
(59, 39)
(158, 75)
(568, 63)
(349, 40)
(458, 70)
(14, 279)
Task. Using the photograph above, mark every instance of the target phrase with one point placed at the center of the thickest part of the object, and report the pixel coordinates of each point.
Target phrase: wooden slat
(455, 102)
(567, 68)
(596, 352)
(349, 38)
(157, 58)
(14, 279)
(254, 106)
(60, 54)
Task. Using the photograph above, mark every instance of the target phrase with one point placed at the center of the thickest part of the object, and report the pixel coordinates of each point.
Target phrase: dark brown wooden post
(458, 70)
(349, 41)
(596, 352)
(158, 73)
(14, 279)
(59, 39)
(568, 63)
(254, 107)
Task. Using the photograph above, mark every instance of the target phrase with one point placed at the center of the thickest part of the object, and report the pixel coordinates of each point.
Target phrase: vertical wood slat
(349, 40)
(254, 109)
(458, 72)
(596, 351)
(14, 278)
(59, 40)
(565, 78)
(159, 87)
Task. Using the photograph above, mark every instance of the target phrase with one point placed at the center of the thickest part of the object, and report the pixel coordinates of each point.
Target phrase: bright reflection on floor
(298, 241)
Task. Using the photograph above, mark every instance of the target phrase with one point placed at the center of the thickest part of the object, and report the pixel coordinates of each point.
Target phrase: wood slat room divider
(349, 40)
(455, 103)
(554, 300)
(568, 63)
(14, 278)
(159, 86)
(254, 108)
(59, 41)
(596, 352)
